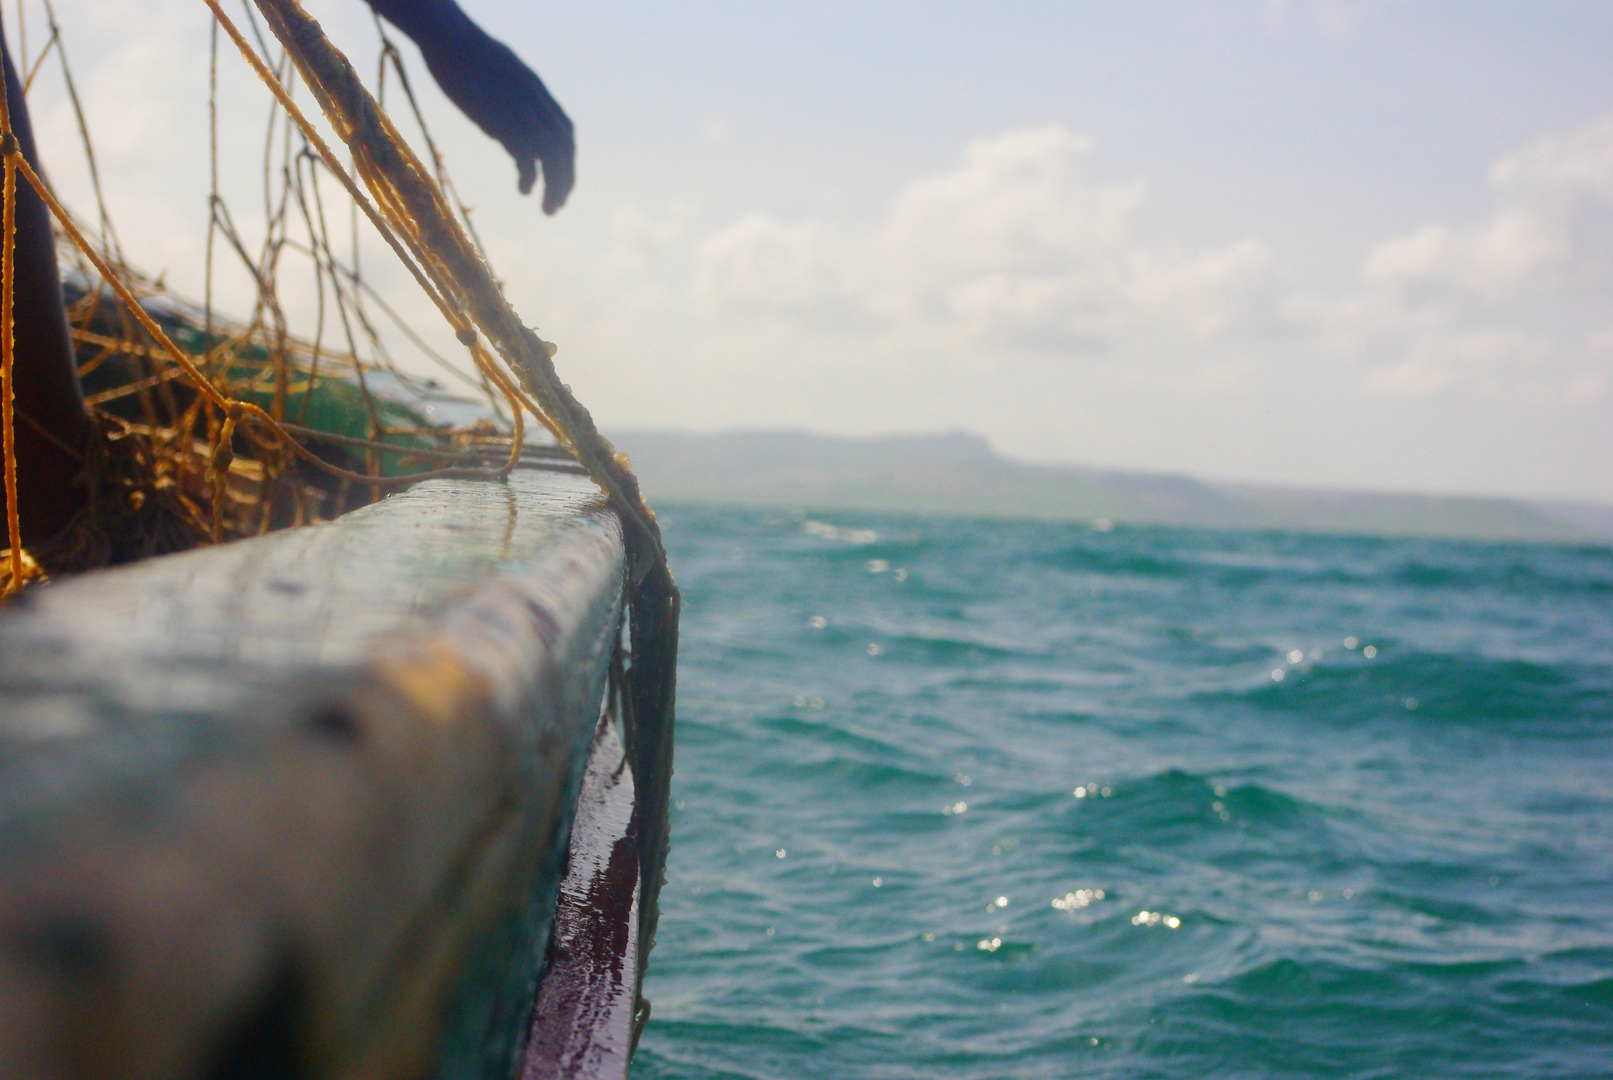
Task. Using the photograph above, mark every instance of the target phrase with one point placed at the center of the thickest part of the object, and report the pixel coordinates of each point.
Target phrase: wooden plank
(297, 806)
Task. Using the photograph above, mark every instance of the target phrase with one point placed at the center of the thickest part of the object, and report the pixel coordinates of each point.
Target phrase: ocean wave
(1413, 686)
(1173, 806)
(940, 643)
(1311, 1017)
(1531, 573)
(1117, 561)
(1379, 865)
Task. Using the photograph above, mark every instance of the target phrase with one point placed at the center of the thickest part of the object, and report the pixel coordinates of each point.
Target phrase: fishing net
(205, 429)
(241, 427)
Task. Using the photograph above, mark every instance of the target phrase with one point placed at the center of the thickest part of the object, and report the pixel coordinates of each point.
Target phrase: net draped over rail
(223, 441)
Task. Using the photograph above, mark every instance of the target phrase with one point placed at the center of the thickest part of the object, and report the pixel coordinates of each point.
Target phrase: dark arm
(494, 88)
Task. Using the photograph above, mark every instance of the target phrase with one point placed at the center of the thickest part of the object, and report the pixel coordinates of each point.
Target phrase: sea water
(1001, 799)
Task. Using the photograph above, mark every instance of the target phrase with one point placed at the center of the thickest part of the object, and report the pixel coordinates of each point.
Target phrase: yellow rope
(311, 133)
(8, 273)
(420, 266)
(243, 409)
(415, 207)
(200, 441)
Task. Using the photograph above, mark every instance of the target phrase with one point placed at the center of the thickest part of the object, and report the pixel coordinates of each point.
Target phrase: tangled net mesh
(206, 429)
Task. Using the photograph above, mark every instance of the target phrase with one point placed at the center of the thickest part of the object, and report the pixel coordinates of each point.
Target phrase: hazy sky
(1348, 243)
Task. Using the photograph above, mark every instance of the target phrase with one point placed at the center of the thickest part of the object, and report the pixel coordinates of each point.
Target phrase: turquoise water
(971, 799)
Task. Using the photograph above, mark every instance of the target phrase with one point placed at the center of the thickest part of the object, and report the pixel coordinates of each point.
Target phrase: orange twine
(8, 271)
(248, 411)
(418, 267)
(225, 416)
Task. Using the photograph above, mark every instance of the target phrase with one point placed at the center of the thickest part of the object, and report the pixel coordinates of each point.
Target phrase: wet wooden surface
(297, 806)
(582, 1027)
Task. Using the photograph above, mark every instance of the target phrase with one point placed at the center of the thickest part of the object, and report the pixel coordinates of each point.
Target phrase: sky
(1334, 243)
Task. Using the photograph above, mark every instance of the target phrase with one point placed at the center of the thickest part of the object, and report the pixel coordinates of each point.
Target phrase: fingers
(491, 86)
(558, 177)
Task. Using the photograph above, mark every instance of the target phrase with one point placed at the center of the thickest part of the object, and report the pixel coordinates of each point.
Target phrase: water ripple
(1041, 806)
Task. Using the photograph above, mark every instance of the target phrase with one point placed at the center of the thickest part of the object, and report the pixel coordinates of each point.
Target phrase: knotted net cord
(221, 458)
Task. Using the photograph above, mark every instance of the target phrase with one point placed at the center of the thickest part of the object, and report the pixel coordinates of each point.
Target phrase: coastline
(958, 474)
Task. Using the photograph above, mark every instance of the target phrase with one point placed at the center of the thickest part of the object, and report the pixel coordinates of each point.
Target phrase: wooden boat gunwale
(301, 803)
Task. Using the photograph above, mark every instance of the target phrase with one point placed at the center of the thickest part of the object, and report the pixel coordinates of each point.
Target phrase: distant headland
(959, 473)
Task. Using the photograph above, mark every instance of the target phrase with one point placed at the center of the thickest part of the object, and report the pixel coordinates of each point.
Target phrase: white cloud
(1437, 362)
(638, 237)
(763, 265)
(1018, 253)
(1498, 307)
(1552, 229)
(1016, 250)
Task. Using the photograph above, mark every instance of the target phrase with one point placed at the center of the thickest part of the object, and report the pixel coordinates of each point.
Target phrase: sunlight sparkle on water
(1074, 901)
(826, 531)
(1463, 829)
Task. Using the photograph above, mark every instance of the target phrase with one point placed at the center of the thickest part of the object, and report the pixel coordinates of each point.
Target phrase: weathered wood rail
(298, 806)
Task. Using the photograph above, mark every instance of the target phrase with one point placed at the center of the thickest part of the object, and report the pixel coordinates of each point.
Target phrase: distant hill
(958, 473)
